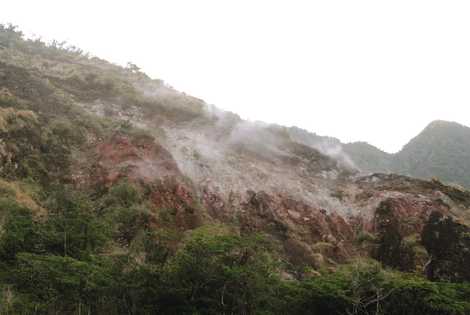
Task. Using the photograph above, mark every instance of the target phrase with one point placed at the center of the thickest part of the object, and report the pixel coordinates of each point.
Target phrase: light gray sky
(377, 71)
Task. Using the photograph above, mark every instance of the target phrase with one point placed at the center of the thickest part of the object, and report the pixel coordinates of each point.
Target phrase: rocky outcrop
(391, 249)
(197, 164)
(135, 158)
(448, 244)
(391, 207)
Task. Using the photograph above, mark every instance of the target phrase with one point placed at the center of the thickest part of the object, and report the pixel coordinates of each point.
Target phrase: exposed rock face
(391, 228)
(139, 159)
(448, 244)
(177, 199)
(206, 165)
(260, 179)
(312, 204)
(407, 215)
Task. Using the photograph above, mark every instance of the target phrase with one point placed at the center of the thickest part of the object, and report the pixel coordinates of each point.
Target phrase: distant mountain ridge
(441, 150)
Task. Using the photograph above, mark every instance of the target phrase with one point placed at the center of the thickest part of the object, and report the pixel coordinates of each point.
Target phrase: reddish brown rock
(138, 159)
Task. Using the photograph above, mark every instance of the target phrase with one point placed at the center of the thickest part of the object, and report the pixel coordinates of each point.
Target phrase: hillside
(441, 151)
(368, 158)
(122, 195)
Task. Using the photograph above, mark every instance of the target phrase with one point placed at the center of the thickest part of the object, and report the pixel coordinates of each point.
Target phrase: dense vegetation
(63, 264)
(95, 250)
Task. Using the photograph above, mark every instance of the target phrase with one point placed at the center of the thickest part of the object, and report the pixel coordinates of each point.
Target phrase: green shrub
(124, 194)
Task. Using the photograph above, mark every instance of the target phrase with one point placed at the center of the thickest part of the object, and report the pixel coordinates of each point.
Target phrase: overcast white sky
(377, 71)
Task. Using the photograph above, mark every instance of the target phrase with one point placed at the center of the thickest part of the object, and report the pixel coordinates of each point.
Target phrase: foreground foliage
(61, 265)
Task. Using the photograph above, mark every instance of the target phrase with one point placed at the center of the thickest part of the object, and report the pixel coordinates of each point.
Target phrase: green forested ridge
(96, 250)
(441, 150)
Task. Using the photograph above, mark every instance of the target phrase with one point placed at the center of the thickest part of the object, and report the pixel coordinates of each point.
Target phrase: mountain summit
(441, 150)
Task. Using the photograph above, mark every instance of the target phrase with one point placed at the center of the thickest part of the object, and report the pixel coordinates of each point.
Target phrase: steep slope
(122, 171)
(368, 158)
(329, 146)
(120, 124)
